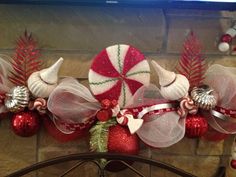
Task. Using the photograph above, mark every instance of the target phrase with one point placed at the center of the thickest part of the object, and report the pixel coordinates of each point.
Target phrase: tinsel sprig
(99, 135)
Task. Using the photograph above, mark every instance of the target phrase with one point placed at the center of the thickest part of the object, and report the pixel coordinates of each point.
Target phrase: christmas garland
(122, 107)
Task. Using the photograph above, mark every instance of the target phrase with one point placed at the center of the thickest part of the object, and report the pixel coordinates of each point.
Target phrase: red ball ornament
(104, 115)
(195, 126)
(226, 38)
(233, 164)
(121, 141)
(25, 123)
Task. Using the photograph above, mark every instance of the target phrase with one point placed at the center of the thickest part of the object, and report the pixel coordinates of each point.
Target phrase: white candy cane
(187, 106)
(39, 104)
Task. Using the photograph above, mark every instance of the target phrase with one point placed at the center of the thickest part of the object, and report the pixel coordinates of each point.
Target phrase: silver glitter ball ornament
(17, 99)
(204, 97)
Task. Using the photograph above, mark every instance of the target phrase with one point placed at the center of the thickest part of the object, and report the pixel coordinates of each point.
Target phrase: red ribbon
(226, 112)
(172, 106)
(154, 109)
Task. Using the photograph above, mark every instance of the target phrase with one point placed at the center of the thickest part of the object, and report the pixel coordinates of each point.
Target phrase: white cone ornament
(173, 86)
(126, 118)
(162, 126)
(42, 83)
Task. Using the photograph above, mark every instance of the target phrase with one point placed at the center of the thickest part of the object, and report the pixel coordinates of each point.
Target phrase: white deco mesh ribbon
(72, 103)
(161, 130)
(222, 80)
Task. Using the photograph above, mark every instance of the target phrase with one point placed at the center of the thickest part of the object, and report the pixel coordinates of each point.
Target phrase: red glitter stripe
(111, 94)
(132, 57)
(133, 85)
(103, 66)
(135, 111)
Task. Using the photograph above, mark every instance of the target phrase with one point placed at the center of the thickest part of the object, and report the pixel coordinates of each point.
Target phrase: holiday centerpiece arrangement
(121, 107)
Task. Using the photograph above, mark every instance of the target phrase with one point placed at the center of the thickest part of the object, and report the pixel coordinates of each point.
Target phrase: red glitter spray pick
(192, 62)
(26, 60)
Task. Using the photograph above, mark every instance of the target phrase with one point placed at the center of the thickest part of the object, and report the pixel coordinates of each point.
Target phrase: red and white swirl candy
(117, 72)
(187, 106)
(39, 104)
(125, 117)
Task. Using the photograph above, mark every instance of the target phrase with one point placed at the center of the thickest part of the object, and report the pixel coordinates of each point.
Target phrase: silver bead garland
(204, 97)
(17, 99)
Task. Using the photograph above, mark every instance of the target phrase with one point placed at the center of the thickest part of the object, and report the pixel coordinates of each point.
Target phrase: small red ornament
(233, 164)
(196, 126)
(25, 123)
(104, 115)
(226, 38)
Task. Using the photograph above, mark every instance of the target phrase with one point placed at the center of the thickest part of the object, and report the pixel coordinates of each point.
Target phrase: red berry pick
(114, 103)
(104, 115)
(106, 104)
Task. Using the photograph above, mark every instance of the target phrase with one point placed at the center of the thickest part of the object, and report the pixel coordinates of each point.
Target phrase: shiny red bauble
(195, 126)
(25, 123)
(121, 141)
(233, 164)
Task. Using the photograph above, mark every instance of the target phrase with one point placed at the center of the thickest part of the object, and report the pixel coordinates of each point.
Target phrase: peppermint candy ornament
(117, 72)
(125, 117)
(39, 104)
(187, 106)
